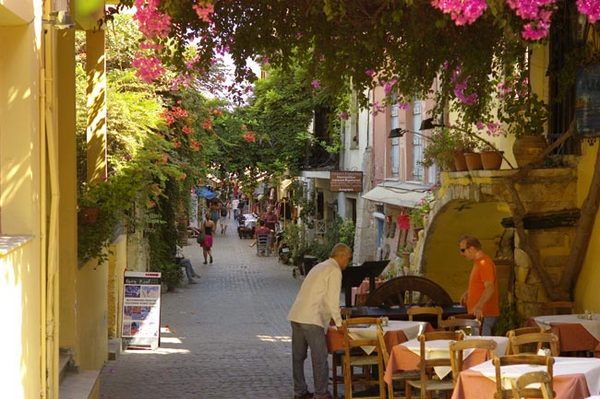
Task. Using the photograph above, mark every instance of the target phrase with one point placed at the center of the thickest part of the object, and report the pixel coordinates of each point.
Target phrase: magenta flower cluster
(536, 14)
(151, 22)
(462, 12)
(591, 8)
(149, 68)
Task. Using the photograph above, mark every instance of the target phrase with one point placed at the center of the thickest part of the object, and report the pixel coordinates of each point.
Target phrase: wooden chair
(457, 351)
(540, 378)
(355, 357)
(498, 362)
(426, 384)
(468, 326)
(520, 331)
(559, 307)
(540, 340)
(399, 376)
(263, 244)
(435, 311)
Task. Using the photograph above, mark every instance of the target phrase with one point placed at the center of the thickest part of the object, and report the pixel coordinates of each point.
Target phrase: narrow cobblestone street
(229, 334)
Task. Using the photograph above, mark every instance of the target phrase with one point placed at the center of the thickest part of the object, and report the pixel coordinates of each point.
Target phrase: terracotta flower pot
(473, 160)
(491, 160)
(528, 148)
(89, 215)
(459, 161)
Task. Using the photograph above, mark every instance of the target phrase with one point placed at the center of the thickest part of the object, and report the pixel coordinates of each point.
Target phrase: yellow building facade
(55, 311)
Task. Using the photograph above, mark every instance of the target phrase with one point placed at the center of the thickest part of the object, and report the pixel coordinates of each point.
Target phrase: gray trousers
(488, 324)
(306, 336)
(189, 271)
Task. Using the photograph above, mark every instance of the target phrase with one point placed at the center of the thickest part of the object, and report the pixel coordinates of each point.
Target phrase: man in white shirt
(317, 302)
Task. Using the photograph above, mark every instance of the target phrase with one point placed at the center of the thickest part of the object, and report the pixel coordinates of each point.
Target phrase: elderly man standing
(317, 302)
(481, 297)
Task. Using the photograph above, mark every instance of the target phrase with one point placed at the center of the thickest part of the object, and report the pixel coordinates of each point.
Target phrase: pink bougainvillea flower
(167, 117)
(590, 8)
(376, 108)
(480, 125)
(187, 130)
(344, 115)
(462, 12)
(179, 112)
(402, 105)
(204, 11)
(370, 72)
(316, 84)
(178, 144)
(388, 86)
(536, 16)
(148, 68)
(151, 22)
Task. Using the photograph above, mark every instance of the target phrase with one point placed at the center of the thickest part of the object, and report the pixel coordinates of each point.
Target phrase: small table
(395, 332)
(406, 356)
(574, 378)
(574, 334)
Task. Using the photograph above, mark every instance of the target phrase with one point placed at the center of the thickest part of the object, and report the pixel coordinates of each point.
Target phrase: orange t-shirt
(483, 270)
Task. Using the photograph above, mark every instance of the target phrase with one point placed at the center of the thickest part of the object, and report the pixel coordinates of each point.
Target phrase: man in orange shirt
(481, 298)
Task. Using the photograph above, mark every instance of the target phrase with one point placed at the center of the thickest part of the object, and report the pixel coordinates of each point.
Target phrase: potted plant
(491, 158)
(441, 148)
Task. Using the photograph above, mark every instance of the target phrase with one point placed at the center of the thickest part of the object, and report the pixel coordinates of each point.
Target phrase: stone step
(80, 385)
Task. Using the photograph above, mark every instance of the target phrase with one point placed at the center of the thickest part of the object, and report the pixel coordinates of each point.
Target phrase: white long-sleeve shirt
(318, 300)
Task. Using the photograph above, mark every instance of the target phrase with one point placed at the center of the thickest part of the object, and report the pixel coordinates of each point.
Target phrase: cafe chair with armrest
(431, 311)
(354, 357)
(541, 379)
(398, 376)
(558, 307)
(508, 360)
(457, 352)
(468, 326)
(522, 343)
(428, 381)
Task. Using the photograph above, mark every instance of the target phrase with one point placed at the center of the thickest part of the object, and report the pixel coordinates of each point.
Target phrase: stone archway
(481, 203)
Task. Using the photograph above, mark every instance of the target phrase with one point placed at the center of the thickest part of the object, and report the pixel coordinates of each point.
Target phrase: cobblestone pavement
(229, 336)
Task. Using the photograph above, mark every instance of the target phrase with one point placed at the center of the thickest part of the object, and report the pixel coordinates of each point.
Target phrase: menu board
(141, 310)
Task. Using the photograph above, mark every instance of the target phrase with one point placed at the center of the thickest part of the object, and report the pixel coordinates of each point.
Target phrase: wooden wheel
(409, 290)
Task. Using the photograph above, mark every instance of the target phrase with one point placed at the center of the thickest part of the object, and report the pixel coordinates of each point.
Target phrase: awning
(403, 194)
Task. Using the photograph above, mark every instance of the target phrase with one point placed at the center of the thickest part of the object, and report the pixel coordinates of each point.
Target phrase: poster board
(587, 102)
(141, 310)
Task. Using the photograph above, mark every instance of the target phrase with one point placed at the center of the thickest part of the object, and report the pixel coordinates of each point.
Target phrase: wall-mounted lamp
(398, 132)
(428, 124)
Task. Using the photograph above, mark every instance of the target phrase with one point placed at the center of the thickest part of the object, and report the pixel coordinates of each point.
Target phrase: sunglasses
(463, 249)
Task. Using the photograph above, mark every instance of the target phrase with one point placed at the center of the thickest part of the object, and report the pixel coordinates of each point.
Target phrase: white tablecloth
(411, 329)
(592, 326)
(440, 349)
(589, 366)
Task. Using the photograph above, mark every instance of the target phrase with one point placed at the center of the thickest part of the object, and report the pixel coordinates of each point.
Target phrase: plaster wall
(21, 271)
(586, 289)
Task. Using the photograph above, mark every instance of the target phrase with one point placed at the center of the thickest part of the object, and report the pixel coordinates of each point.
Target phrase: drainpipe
(54, 19)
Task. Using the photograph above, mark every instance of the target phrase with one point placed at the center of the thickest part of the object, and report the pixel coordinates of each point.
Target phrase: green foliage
(509, 318)
(440, 148)
(421, 210)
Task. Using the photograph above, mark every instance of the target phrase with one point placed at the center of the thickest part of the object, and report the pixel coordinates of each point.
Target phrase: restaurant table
(395, 332)
(406, 356)
(574, 378)
(574, 333)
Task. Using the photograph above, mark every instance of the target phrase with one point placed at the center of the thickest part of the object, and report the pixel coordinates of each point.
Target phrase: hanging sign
(346, 181)
(587, 101)
(141, 310)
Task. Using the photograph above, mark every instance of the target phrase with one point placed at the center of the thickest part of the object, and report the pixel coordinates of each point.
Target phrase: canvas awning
(402, 194)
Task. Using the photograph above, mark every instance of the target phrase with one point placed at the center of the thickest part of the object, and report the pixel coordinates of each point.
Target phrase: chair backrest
(540, 378)
(426, 364)
(545, 339)
(435, 311)
(382, 347)
(469, 326)
(559, 307)
(457, 348)
(524, 330)
(350, 342)
(547, 361)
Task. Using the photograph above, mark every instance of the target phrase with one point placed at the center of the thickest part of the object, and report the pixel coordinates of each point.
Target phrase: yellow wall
(586, 290)
(116, 270)
(21, 272)
(443, 263)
